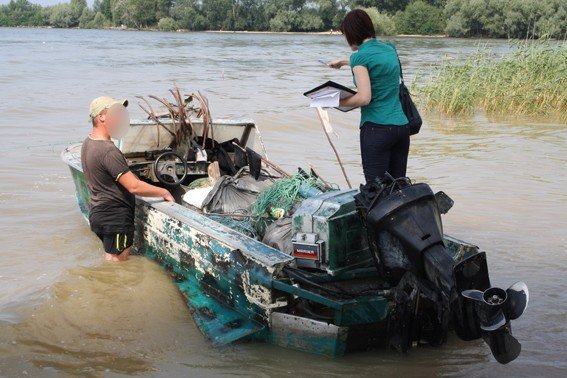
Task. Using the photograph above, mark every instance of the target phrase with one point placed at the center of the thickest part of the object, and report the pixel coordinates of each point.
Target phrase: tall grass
(530, 81)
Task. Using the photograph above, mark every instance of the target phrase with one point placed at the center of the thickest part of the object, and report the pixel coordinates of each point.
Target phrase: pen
(322, 61)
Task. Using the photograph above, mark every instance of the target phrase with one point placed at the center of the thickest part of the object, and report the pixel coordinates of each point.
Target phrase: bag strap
(401, 71)
(400, 63)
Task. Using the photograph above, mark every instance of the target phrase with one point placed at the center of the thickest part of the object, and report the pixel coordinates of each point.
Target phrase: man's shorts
(115, 243)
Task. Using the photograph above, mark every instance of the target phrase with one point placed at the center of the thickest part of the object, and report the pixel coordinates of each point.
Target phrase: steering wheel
(165, 168)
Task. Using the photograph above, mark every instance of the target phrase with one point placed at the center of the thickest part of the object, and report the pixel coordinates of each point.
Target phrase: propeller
(495, 308)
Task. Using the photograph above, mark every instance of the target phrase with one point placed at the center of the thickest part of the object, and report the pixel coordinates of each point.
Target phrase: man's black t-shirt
(112, 206)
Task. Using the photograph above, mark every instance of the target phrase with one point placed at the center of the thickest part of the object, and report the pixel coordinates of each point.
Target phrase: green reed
(531, 81)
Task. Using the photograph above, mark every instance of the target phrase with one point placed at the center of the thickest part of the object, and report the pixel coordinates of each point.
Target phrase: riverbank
(268, 32)
(328, 32)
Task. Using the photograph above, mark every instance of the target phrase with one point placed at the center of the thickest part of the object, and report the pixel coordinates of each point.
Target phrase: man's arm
(140, 188)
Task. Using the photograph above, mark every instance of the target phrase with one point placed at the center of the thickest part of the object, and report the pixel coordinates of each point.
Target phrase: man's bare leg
(110, 257)
(121, 257)
(125, 253)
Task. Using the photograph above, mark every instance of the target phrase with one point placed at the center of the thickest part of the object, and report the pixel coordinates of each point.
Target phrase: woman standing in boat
(384, 133)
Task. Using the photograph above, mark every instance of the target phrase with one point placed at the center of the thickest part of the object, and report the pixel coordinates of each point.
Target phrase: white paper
(326, 98)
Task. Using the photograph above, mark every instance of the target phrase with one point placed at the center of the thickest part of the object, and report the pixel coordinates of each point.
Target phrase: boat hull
(232, 283)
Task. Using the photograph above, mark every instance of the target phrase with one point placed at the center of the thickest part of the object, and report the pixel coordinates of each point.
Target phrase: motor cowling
(411, 215)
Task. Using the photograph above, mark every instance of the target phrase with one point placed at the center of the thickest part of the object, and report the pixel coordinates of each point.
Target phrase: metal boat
(358, 269)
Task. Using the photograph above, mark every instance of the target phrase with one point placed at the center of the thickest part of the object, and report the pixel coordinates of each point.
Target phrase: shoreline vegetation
(149, 29)
(530, 81)
(511, 19)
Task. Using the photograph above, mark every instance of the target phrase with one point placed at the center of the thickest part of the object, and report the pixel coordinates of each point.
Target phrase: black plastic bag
(235, 194)
(254, 162)
(278, 235)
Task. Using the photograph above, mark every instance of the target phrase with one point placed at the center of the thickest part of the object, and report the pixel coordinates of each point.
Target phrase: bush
(21, 13)
(136, 13)
(100, 21)
(292, 21)
(457, 26)
(383, 24)
(167, 24)
(420, 18)
(328, 11)
(104, 7)
(4, 18)
(284, 21)
(86, 19)
(63, 16)
(509, 19)
(187, 15)
(308, 20)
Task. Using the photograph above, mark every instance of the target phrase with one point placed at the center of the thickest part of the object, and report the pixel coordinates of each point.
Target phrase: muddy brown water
(63, 311)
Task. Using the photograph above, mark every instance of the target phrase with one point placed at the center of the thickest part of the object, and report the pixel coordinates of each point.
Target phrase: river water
(64, 311)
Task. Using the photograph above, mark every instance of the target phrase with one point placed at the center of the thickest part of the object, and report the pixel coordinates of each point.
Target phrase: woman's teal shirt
(381, 61)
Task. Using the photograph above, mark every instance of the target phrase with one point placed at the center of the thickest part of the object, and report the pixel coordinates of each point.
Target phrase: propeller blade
(518, 298)
(496, 322)
(504, 347)
(476, 295)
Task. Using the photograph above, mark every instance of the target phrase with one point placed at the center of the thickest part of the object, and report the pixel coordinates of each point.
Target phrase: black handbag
(414, 119)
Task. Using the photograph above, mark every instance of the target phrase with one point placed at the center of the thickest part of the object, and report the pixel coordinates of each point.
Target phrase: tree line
(455, 18)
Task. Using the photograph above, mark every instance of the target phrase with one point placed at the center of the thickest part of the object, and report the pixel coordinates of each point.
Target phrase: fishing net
(285, 192)
(272, 203)
(278, 199)
(242, 224)
(200, 183)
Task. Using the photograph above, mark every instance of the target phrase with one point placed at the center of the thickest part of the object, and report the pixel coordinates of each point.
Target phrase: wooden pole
(326, 126)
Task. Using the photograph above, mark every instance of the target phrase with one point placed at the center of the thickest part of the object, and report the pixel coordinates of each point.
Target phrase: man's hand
(167, 196)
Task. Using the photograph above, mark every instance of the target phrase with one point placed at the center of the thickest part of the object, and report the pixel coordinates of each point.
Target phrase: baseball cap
(104, 102)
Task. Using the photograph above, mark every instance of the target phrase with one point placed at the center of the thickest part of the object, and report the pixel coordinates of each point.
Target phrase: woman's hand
(338, 63)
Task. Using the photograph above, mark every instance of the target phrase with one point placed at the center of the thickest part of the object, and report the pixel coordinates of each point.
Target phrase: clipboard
(329, 89)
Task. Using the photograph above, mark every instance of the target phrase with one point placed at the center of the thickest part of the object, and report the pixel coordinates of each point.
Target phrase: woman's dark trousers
(384, 148)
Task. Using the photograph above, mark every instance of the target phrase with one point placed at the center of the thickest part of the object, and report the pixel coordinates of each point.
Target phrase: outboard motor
(405, 234)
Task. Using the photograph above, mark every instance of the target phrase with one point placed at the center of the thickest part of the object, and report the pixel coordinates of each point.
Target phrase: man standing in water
(112, 185)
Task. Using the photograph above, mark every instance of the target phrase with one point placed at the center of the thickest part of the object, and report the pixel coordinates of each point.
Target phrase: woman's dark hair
(357, 26)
